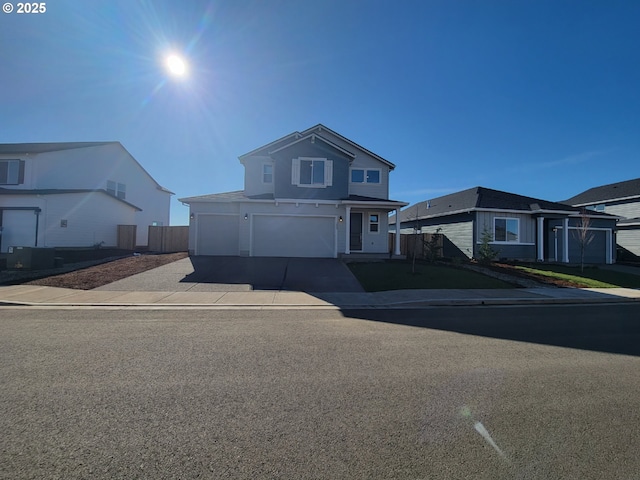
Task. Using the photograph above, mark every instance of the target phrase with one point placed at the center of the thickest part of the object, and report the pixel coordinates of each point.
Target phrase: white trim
(492, 210)
(327, 172)
(268, 164)
(506, 242)
(540, 234)
(320, 127)
(631, 197)
(397, 236)
(608, 242)
(347, 221)
(529, 244)
(256, 150)
(313, 138)
(365, 176)
(369, 223)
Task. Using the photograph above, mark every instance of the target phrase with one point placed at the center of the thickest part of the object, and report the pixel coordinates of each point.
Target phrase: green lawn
(592, 277)
(391, 275)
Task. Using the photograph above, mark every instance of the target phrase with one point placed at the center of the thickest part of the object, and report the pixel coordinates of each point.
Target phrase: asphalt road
(439, 393)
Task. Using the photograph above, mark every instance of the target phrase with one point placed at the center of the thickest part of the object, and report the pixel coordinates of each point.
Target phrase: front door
(355, 235)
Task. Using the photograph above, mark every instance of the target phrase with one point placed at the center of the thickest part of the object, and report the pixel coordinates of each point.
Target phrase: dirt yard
(104, 273)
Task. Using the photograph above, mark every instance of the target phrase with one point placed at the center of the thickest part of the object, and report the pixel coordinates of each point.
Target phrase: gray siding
(253, 184)
(458, 232)
(629, 239)
(629, 209)
(283, 163)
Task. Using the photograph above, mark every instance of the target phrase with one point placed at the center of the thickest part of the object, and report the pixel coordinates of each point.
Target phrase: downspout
(37, 212)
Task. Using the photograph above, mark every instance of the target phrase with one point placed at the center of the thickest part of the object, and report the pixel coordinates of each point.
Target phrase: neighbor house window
(267, 173)
(506, 229)
(374, 223)
(361, 175)
(117, 189)
(11, 172)
(312, 172)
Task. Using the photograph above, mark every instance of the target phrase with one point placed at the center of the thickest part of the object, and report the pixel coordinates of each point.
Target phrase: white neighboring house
(75, 195)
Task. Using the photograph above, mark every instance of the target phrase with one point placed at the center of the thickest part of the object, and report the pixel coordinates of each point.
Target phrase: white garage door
(18, 229)
(293, 236)
(217, 234)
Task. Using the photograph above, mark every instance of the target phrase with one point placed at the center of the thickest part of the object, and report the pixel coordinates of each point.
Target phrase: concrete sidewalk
(56, 297)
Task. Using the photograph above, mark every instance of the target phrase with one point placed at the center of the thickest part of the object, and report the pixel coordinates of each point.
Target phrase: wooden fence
(418, 242)
(169, 239)
(127, 237)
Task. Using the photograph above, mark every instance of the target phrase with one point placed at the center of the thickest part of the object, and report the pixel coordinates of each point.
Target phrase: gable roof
(317, 130)
(629, 189)
(480, 198)
(313, 137)
(26, 148)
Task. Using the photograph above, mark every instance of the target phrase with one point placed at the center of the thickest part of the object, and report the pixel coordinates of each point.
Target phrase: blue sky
(540, 98)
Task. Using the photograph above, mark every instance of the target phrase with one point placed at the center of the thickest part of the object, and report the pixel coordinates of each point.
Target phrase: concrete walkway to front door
(227, 274)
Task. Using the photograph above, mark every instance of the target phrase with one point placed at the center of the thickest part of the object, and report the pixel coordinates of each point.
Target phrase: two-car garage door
(293, 236)
(269, 235)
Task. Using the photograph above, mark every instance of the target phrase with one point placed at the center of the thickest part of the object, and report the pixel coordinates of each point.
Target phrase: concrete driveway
(228, 274)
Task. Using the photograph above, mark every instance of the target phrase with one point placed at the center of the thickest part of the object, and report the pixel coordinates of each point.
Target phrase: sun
(176, 65)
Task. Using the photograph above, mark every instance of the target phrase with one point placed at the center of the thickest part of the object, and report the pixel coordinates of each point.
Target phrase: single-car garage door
(293, 236)
(217, 234)
(595, 250)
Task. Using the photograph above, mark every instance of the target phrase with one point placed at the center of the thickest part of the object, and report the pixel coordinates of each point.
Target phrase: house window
(267, 173)
(360, 175)
(156, 224)
(11, 172)
(506, 230)
(374, 223)
(312, 172)
(117, 189)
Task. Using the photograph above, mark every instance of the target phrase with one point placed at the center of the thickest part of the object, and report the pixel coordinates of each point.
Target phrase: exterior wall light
(340, 219)
(246, 216)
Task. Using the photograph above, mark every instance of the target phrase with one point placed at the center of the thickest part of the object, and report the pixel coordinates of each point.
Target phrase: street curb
(386, 306)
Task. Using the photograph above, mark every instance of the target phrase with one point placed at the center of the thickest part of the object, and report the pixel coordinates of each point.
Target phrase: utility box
(31, 258)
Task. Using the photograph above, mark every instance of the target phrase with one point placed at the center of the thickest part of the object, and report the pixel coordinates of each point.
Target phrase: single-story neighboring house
(519, 227)
(313, 193)
(621, 199)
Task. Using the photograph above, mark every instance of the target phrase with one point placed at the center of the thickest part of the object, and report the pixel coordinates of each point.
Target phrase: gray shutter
(21, 172)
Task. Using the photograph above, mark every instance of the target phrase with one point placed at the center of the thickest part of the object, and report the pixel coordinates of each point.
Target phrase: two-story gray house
(309, 194)
(621, 199)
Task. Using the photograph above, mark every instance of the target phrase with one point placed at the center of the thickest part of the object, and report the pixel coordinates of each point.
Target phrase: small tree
(584, 235)
(486, 253)
(433, 246)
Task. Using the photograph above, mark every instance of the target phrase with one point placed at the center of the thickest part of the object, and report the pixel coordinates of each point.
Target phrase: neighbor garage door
(595, 251)
(293, 236)
(217, 234)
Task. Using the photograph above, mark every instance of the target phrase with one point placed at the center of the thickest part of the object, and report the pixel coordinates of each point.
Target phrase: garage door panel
(218, 235)
(595, 250)
(293, 236)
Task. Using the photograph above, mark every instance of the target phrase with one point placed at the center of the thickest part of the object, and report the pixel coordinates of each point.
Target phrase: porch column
(565, 240)
(347, 225)
(540, 239)
(396, 243)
